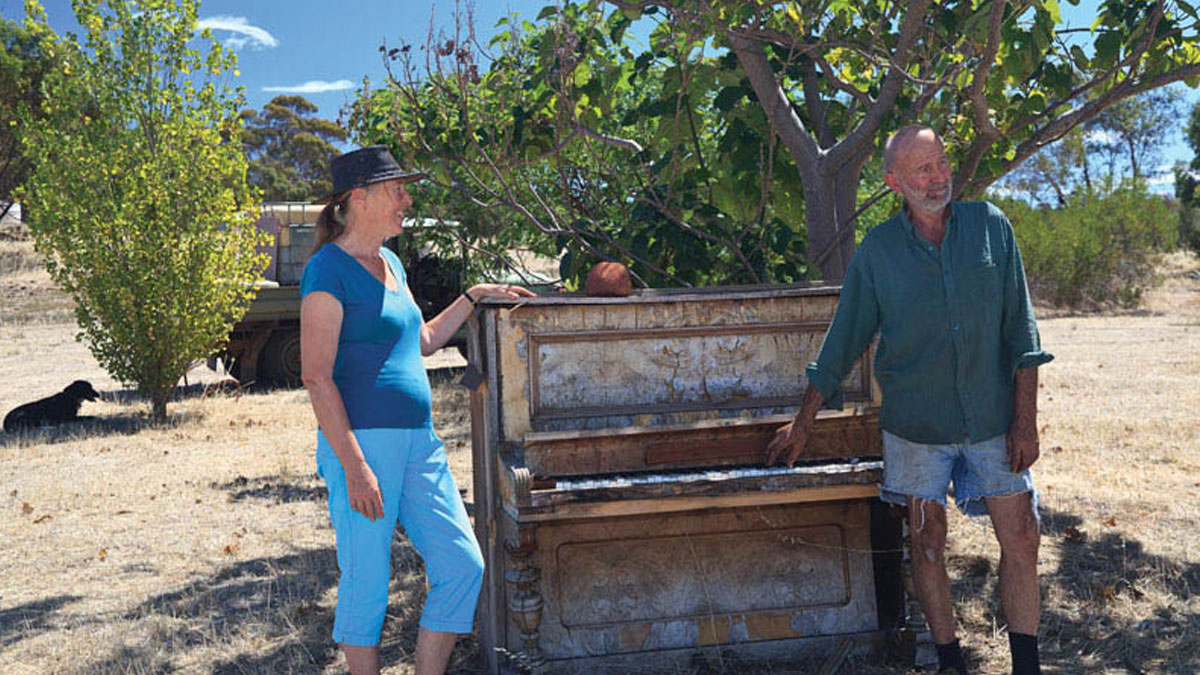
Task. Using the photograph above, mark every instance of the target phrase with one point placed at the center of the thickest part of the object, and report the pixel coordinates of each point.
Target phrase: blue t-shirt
(378, 369)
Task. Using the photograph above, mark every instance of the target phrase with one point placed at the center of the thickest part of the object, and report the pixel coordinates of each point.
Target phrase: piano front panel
(852, 432)
(688, 580)
(645, 364)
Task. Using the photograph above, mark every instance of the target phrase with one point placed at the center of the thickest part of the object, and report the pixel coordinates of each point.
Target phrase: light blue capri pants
(419, 491)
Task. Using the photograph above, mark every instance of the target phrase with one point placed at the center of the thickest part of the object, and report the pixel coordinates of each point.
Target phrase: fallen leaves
(26, 509)
(42, 518)
(102, 554)
(1074, 535)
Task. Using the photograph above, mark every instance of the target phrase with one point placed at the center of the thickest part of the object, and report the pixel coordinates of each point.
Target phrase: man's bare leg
(433, 651)
(1017, 531)
(361, 660)
(929, 566)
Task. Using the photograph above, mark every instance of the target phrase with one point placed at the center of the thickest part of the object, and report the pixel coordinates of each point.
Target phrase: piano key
(711, 475)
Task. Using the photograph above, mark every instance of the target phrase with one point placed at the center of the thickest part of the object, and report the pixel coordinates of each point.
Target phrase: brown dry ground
(204, 546)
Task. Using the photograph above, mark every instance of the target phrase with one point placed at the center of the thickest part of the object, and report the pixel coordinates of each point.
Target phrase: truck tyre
(279, 361)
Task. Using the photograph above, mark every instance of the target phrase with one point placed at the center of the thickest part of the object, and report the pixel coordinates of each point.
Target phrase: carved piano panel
(661, 359)
(696, 579)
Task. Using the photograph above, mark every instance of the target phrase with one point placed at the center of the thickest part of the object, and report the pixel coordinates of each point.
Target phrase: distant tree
(1119, 147)
(1187, 186)
(289, 150)
(22, 65)
(1130, 133)
(138, 198)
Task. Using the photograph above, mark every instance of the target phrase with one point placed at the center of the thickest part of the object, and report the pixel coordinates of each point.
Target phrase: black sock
(950, 656)
(1024, 654)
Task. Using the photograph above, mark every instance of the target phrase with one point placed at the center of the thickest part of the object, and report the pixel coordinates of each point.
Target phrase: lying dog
(56, 409)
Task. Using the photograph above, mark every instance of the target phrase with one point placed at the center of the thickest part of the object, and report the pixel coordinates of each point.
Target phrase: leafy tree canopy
(22, 65)
(781, 105)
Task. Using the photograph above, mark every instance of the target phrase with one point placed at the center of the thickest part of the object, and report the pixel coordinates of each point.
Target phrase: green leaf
(1108, 48)
(1080, 58)
(728, 97)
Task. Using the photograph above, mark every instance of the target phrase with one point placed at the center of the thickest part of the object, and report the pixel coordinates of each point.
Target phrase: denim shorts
(977, 470)
(419, 492)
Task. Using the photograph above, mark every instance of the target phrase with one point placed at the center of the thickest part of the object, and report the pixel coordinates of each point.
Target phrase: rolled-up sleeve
(854, 324)
(1021, 341)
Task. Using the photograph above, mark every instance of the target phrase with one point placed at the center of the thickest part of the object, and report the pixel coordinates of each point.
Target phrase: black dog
(56, 409)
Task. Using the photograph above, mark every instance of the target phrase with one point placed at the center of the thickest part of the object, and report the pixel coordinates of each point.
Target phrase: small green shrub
(1097, 250)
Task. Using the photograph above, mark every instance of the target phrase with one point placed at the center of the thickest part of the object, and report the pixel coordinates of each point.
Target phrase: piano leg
(525, 602)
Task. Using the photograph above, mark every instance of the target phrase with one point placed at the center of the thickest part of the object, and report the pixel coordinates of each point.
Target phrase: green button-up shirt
(954, 326)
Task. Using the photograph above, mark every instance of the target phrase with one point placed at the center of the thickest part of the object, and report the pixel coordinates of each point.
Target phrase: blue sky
(322, 50)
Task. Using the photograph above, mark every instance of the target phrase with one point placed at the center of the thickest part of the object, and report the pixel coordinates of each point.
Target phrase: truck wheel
(279, 361)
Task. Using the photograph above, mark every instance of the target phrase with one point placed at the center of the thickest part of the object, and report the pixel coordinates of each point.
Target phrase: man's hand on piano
(788, 443)
(791, 438)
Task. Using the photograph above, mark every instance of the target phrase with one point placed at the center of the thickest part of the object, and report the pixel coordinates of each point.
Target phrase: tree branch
(623, 143)
(864, 133)
(815, 106)
(841, 84)
(986, 132)
(775, 103)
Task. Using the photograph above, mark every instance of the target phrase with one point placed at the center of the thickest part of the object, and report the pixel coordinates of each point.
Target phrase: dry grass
(204, 546)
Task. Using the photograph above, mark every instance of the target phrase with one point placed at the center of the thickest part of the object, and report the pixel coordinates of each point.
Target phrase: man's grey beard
(924, 203)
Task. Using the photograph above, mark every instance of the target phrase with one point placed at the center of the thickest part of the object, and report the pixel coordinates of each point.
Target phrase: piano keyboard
(712, 475)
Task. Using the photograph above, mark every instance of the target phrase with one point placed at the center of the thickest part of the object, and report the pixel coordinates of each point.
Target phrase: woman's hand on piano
(788, 443)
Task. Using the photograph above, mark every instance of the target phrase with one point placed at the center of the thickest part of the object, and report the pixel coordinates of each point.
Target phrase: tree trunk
(158, 403)
(830, 200)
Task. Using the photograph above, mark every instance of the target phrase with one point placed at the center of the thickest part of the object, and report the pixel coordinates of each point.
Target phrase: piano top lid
(705, 294)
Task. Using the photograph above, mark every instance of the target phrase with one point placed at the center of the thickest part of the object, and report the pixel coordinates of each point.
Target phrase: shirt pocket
(981, 295)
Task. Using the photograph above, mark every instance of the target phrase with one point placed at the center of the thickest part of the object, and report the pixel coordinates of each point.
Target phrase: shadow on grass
(1099, 579)
(122, 424)
(1102, 572)
(277, 489)
(25, 621)
(269, 615)
(91, 427)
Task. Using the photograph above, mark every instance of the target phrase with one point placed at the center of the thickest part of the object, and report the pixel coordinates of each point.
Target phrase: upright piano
(622, 500)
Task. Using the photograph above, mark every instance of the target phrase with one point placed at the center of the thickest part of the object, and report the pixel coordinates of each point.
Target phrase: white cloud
(1102, 136)
(312, 87)
(245, 34)
(1163, 175)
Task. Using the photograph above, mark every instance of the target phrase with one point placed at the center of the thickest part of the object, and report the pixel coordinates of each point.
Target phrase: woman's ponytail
(332, 221)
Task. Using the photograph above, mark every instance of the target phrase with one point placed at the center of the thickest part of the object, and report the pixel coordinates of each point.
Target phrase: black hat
(364, 166)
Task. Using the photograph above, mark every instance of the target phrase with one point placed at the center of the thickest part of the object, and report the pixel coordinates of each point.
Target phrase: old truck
(264, 347)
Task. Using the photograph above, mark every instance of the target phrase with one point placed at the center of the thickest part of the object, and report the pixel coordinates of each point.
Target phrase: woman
(362, 338)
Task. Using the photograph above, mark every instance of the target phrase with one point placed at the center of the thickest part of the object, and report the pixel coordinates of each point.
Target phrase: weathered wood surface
(580, 389)
(727, 577)
(571, 363)
(836, 434)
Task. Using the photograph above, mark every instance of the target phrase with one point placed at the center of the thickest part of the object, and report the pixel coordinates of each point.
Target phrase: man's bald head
(899, 142)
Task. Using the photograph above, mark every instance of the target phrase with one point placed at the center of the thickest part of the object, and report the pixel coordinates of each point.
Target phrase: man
(957, 361)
